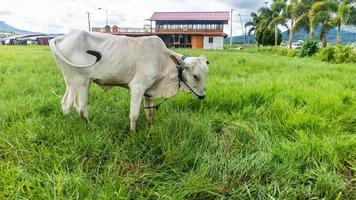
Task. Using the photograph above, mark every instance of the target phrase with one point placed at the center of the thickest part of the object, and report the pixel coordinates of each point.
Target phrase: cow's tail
(55, 50)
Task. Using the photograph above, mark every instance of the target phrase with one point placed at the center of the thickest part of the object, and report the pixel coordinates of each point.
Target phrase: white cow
(143, 65)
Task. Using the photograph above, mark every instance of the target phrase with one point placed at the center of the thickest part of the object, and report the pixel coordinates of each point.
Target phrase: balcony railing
(162, 30)
(156, 30)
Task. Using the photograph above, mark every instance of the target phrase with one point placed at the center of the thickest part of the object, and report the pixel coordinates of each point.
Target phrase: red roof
(191, 16)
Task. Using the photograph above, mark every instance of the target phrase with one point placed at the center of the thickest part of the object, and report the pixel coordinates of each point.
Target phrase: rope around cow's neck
(180, 77)
(186, 84)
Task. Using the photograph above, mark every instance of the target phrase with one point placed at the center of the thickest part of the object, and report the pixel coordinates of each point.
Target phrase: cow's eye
(196, 77)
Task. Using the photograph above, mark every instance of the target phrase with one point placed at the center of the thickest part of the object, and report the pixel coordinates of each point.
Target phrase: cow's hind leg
(81, 92)
(149, 110)
(67, 100)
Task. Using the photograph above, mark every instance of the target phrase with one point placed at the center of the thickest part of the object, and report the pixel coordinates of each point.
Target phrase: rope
(55, 94)
(155, 106)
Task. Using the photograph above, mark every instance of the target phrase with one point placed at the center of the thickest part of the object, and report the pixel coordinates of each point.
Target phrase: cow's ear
(177, 61)
(205, 59)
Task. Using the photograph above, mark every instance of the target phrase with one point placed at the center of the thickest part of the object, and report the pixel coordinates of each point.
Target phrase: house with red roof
(181, 29)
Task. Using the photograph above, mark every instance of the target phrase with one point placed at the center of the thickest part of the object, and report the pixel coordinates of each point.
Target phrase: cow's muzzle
(201, 97)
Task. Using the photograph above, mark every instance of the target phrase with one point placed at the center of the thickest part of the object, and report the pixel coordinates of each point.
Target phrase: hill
(348, 35)
(10, 29)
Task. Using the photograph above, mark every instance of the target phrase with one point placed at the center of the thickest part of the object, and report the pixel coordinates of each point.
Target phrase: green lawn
(271, 127)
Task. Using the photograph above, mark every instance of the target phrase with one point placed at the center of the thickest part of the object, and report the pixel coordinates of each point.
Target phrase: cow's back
(122, 57)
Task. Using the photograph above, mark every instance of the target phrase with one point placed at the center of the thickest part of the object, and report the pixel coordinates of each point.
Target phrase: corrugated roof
(193, 16)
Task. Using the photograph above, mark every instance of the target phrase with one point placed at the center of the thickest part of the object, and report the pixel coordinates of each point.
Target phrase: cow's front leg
(149, 109)
(136, 98)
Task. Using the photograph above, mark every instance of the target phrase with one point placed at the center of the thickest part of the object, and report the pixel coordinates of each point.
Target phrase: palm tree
(291, 13)
(303, 19)
(279, 16)
(265, 15)
(255, 19)
(259, 22)
(323, 12)
(346, 14)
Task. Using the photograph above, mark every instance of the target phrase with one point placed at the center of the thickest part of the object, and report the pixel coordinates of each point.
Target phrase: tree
(346, 14)
(265, 15)
(255, 19)
(259, 23)
(302, 8)
(268, 37)
(292, 14)
(322, 12)
(279, 16)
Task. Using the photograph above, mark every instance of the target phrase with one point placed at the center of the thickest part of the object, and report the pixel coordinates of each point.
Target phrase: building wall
(217, 43)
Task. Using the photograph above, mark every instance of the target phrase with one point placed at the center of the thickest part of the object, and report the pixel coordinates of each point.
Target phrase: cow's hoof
(87, 125)
(133, 127)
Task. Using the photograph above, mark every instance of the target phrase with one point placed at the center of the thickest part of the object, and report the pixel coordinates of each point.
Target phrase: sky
(61, 16)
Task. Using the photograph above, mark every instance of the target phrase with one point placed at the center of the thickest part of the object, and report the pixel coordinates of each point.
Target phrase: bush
(266, 49)
(338, 54)
(292, 53)
(327, 54)
(266, 37)
(343, 54)
(282, 51)
(352, 58)
(309, 47)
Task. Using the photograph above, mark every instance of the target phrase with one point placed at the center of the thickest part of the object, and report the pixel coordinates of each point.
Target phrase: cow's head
(195, 71)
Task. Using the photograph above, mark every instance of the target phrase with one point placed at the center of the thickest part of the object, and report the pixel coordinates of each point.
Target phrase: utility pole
(338, 32)
(106, 13)
(88, 13)
(275, 35)
(107, 21)
(242, 28)
(231, 27)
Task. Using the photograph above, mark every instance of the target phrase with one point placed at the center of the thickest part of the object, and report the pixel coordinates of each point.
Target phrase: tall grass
(271, 127)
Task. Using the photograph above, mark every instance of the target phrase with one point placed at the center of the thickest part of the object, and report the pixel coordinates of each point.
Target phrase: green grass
(271, 127)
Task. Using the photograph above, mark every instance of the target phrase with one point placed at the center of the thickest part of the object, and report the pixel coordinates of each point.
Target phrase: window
(211, 39)
(189, 39)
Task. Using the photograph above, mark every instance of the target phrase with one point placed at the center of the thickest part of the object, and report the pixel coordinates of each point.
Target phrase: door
(197, 42)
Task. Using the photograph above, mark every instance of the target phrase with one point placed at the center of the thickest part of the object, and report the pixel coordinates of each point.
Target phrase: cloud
(5, 12)
(49, 16)
(247, 5)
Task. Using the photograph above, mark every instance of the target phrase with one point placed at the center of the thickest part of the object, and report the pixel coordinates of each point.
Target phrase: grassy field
(271, 127)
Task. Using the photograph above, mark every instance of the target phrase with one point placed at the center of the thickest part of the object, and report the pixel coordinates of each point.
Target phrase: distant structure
(181, 29)
(29, 39)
